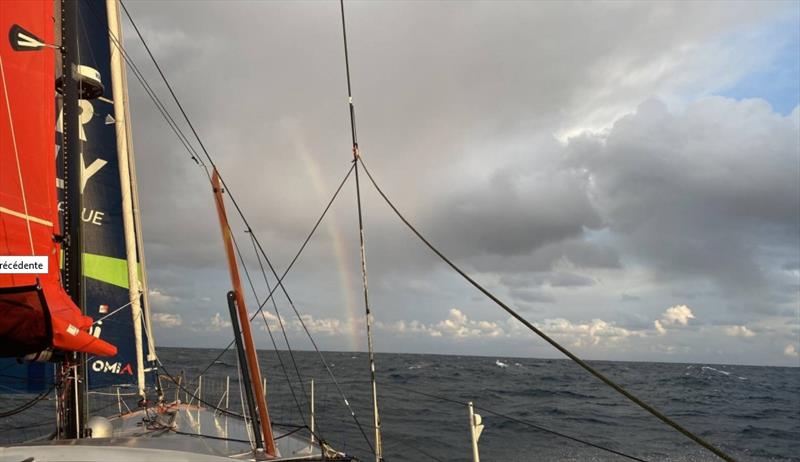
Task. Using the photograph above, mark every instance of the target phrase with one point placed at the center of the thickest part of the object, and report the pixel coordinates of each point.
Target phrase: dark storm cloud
(457, 106)
(703, 194)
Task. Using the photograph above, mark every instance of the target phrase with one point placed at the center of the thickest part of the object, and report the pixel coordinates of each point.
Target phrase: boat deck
(178, 432)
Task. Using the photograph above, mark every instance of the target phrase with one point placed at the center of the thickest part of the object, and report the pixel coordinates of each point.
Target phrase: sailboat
(84, 323)
(82, 320)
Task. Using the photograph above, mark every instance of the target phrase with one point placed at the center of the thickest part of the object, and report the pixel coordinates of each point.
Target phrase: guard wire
(655, 412)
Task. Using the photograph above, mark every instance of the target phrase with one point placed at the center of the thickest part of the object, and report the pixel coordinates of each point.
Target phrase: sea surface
(751, 412)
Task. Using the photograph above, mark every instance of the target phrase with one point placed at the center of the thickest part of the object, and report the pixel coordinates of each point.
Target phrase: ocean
(752, 412)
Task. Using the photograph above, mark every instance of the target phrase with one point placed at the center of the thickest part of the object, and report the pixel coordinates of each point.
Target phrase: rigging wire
(269, 331)
(238, 209)
(291, 264)
(519, 421)
(376, 419)
(256, 243)
(283, 330)
(155, 99)
(655, 412)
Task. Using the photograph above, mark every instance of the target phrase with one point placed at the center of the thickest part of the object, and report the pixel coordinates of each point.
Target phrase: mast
(75, 404)
(244, 320)
(121, 127)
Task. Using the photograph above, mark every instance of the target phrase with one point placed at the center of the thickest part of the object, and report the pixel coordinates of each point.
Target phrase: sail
(36, 314)
(105, 268)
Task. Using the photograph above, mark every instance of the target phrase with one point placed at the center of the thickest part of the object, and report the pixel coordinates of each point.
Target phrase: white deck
(178, 433)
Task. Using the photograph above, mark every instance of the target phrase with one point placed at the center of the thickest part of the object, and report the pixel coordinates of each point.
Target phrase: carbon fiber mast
(74, 368)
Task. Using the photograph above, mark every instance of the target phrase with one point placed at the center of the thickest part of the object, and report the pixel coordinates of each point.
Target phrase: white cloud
(457, 325)
(678, 314)
(325, 326)
(674, 315)
(592, 333)
(739, 331)
(329, 326)
(218, 323)
(791, 351)
(159, 297)
(168, 319)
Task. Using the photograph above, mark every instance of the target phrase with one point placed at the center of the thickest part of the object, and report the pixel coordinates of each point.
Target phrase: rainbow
(340, 248)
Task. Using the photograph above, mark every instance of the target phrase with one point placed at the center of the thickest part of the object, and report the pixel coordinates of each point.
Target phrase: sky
(625, 175)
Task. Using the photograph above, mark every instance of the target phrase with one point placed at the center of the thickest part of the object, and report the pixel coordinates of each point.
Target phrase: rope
(16, 157)
(655, 412)
(112, 313)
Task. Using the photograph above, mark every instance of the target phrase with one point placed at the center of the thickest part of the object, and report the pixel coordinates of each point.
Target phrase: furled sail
(105, 268)
(36, 314)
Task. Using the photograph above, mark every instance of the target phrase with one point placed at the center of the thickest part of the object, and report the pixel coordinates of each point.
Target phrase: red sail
(35, 312)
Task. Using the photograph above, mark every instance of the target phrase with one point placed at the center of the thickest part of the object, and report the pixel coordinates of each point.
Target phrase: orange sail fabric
(35, 311)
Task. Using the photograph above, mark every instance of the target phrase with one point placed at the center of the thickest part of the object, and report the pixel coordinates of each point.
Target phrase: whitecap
(715, 370)
(501, 364)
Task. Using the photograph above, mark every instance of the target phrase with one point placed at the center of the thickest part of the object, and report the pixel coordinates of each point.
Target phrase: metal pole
(312, 410)
(178, 388)
(131, 257)
(227, 391)
(119, 402)
(475, 429)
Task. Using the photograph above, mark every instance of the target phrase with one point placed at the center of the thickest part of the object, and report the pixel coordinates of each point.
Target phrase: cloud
(678, 314)
(593, 333)
(160, 298)
(218, 323)
(325, 326)
(739, 331)
(791, 351)
(457, 326)
(560, 182)
(710, 192)
(167, 319)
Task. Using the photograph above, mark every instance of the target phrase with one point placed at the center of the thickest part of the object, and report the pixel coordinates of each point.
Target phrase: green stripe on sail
(105, 269)
(110, 270)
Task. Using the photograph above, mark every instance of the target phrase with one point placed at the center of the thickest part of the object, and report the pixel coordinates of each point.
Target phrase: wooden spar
(244, 319)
